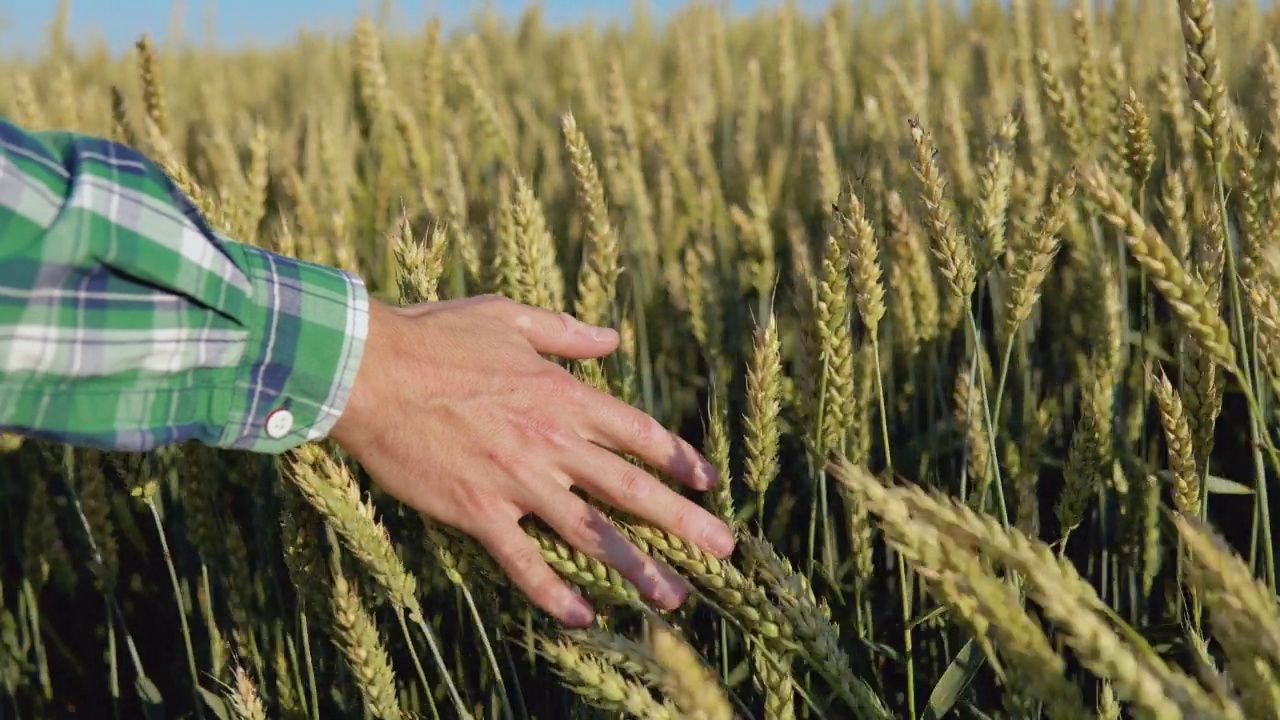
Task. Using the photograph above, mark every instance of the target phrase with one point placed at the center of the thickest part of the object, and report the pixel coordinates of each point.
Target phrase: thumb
(557, 333)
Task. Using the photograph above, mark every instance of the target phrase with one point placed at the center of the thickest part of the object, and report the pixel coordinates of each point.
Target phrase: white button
(279, 423)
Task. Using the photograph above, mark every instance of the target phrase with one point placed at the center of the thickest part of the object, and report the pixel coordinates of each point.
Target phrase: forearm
(126, 322)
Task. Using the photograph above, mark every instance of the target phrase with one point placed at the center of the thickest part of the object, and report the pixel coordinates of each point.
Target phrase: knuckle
(687, 520)
(476, 503)
(562, 384)
(502, 457)
(507, 456)
(633, 485)
(641, 429)
(524, 556)
(585, 529)
(539, 581)
(540, 427)
(501, 309)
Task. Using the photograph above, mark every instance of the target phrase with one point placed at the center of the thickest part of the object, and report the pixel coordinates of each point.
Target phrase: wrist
(364, 400)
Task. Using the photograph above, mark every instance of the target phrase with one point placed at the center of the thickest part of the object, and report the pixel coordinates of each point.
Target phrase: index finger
(551, 332)
(616, 425)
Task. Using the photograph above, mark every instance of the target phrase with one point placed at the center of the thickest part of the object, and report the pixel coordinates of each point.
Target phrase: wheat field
(977, 312)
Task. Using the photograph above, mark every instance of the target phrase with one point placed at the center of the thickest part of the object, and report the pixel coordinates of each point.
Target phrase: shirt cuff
(309, 324)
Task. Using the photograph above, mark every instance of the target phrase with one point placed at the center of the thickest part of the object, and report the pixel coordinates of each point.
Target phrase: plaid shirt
(126, 322)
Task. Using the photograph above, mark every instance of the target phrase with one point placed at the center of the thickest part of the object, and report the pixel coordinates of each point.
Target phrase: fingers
(553, 333)
(615, 423)
(628, 429)
(521, 560)
(631, 489)
(585, 528)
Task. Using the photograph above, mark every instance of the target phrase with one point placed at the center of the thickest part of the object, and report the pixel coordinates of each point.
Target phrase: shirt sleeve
(127, 323)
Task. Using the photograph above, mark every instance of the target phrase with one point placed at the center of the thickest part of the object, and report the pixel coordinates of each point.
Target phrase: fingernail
(578, 613)
(595, 332)
(721, 540)
(603, 334)
(663, 587)
(669, 595)
(709, 475)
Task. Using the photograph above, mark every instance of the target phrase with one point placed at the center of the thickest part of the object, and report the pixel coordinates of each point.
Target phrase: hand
(456, 413)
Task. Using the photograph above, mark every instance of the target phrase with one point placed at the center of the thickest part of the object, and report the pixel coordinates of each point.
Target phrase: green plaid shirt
(126, 322)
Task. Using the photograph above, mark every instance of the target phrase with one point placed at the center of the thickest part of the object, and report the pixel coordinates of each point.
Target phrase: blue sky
(265, 22)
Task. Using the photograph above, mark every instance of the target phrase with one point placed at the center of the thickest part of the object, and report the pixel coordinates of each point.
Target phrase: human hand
(456, 413)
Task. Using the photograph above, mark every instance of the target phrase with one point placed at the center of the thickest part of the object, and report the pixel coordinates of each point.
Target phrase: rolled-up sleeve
(127, 322)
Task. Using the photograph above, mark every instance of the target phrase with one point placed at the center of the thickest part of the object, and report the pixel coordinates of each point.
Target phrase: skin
(457, 413)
